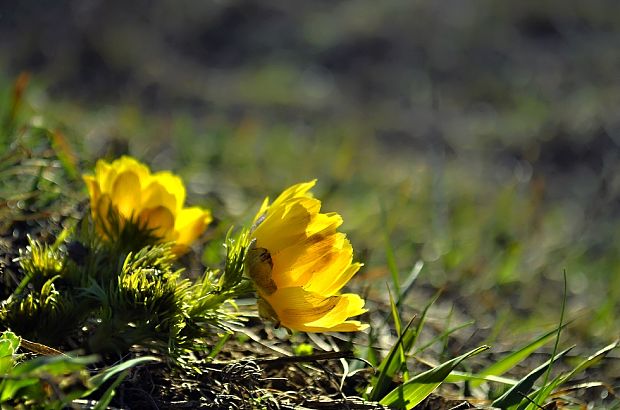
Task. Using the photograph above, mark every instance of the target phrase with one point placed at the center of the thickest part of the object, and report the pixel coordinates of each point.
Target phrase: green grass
(493, 242)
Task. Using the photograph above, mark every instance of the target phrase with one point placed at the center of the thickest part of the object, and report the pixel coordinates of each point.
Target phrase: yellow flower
(155, 201)
(299, 263)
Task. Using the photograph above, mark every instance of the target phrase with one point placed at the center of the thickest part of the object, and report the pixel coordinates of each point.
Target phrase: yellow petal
(295, 306)
(161, 220)
(155, 194)
(154, 199)
(329, 284)
(283, 227)
(296, 265)
(126, 194)
(324, 223)
(173, 185)
(126, 163)
(310, 262)
(348, 326)
(104, 174)
(190, 224)
(348, 305)
(332, 273)
(295, 191)
(306, 311)
(100, 211)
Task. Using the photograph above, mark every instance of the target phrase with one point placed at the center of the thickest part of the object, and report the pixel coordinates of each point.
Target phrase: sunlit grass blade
(419, 387)
(543, 393)
(456, 377)
(401, 358)
(395, 313)
(592, 360)
(219, 345)
(516, 394)
(390, 364)
(513, 359)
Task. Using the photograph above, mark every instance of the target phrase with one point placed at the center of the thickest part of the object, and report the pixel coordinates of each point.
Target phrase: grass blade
(544, 392)
(557, 339)
(390, 365)
(408, 395)
(107, 397)
(515, 394)
(402, 359)
(423, 318)
(102, 377)
(456, 377)
(502, 366)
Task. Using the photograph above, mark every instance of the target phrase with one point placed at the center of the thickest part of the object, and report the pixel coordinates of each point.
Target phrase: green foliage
(412, 392)
(515, 394)
(216, 287)
(396, 359)
(209, 302)
(46, 315)
(142, 306)
(53, 382)
(543, 393)
(40, 263)
(9, 343)
(517, 356)
(50, 381)
(113, 305)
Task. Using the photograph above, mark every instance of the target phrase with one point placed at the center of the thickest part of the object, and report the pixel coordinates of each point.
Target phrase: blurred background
(477, 143)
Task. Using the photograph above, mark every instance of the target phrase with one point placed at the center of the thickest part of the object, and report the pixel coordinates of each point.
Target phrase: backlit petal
(173, 185)
(296, 191)
(160, 220)
(155, 194)
(126, 193)
(190, 224)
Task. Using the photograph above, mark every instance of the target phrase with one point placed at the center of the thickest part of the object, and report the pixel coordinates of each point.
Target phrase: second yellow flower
(154, 201)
